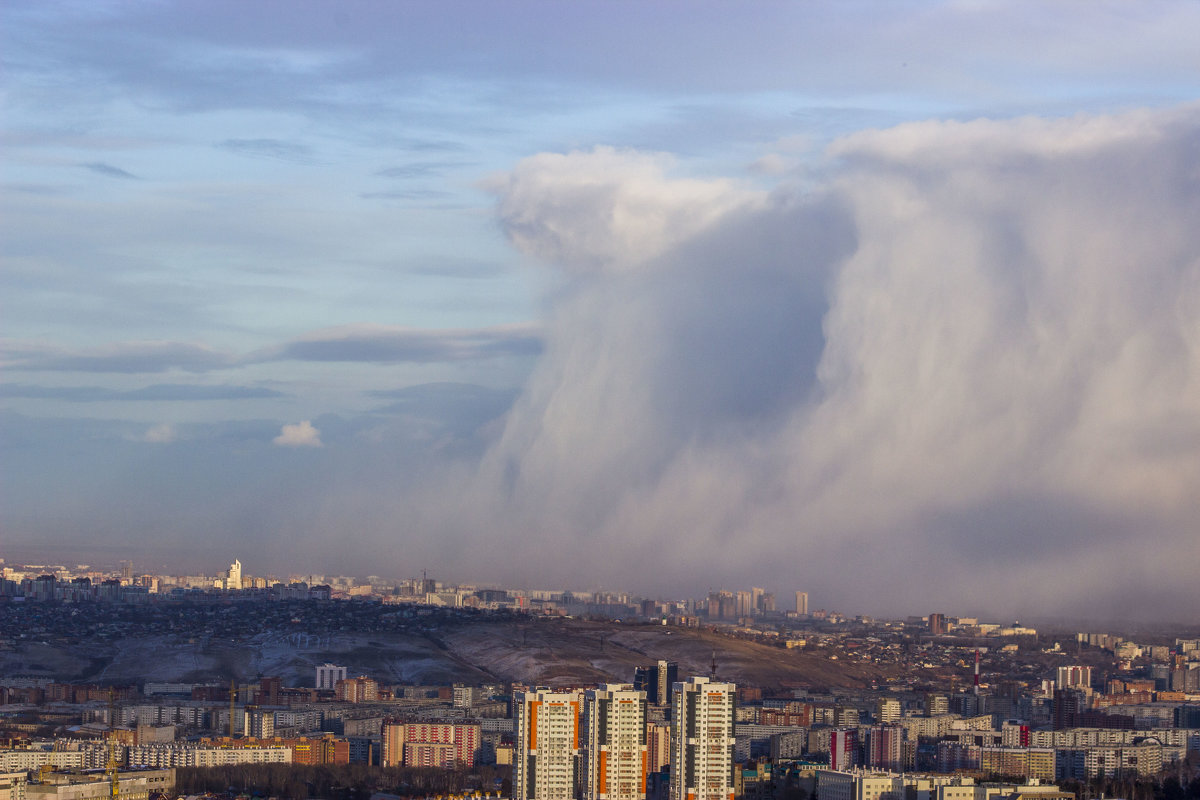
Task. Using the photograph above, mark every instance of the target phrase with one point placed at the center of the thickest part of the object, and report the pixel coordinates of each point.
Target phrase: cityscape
(599, 400)
(520, 693)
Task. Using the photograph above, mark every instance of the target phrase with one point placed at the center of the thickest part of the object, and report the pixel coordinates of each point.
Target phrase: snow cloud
(605, 208)
(980, 340)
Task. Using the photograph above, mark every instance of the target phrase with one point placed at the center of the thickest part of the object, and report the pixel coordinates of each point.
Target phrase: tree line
(337, 781)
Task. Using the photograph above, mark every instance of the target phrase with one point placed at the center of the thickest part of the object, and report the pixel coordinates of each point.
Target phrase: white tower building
(234, 581)
(614, 743)
(702, 740)
(546, 762)
(328, 675)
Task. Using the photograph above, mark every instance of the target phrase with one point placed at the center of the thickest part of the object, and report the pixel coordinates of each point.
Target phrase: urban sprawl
(931, 708)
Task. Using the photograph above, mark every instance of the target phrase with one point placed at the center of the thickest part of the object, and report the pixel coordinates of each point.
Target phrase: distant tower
(887, 710)
(234, 581)
(802, 604)
(756, 596)
(1074, 677)
(884, 747)
(843, 749)
(702, 740)
(329, 674)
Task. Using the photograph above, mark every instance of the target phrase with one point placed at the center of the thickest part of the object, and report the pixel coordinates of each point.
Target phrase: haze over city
(895, 303)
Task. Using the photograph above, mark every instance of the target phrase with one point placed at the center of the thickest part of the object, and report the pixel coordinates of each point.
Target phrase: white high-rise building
(614, 743)
(702, 740)
(328, 675)
(802, 603)
(546, 762)
(234, 579)
(1074, 677)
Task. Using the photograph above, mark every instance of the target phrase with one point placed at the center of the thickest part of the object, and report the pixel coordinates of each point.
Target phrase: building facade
(329, 674)
(440, 744)
(546, 762)
(656, 681)
(615, 759)
(702, 740)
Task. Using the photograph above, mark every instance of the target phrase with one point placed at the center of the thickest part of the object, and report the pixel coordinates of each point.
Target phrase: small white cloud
(302, 434)
(160, 434)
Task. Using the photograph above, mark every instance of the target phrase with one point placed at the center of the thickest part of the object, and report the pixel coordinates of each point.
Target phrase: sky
(895, 303)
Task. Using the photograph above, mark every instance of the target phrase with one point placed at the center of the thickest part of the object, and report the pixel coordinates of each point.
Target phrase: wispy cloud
(459, 404)
(421, 169)
(363, 343)
(109, 171)
(278, 149)
(163, 433)
(384, 344)
(406, 194)
(156, 393)
(121, 357)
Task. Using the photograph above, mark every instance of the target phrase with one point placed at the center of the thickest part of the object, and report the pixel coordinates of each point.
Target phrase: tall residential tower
(702, 718)
(546, 762)
(614, 743)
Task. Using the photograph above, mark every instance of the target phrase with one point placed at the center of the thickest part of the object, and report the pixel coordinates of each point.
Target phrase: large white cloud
(967, 371)
(606, 208)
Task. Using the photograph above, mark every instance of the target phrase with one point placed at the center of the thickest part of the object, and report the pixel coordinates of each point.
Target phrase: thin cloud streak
(109, 171)
(269, 148)
(121, 357)
(156, 393)
(371, 344)
(384, 344)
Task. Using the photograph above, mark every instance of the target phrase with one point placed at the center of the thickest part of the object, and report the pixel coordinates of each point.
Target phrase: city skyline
(896, 304)
(722, 606)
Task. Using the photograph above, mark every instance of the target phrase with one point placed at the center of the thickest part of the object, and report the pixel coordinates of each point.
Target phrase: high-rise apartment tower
(802, 603)
(546, 761)
(614, 743)
(702, 719)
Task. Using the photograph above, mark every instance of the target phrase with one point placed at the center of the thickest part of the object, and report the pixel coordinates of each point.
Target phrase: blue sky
(495, 289)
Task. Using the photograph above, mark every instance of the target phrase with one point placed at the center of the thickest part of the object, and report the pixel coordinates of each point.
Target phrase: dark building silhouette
(656, 681)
